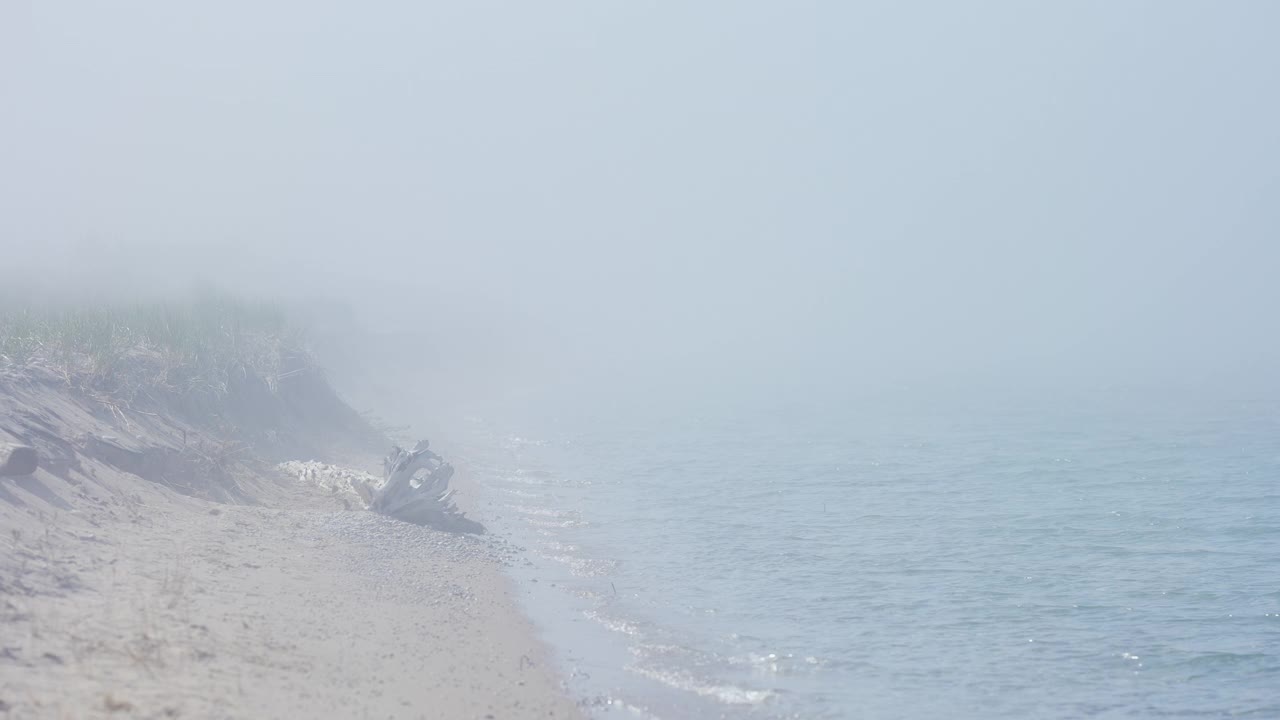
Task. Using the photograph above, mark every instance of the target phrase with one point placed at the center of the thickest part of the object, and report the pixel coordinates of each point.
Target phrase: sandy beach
(121, 597)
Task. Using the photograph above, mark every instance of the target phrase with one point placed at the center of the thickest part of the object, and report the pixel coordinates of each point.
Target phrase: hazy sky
(711, 191)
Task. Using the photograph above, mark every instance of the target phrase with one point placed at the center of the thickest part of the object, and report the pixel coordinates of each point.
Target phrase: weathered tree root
(426, 502)
(17, 460)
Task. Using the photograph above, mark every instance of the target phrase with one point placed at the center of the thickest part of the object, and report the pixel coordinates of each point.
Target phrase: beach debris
(334, 478)
(415, 489)
(17, 459)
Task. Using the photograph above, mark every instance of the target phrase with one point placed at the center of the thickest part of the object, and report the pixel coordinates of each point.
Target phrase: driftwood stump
(17, 459)
(416, 489)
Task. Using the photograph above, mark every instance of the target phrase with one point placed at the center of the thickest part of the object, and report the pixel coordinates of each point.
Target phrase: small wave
(515, 441)
(634, 710)
(651, 650)
(618, 626)
(525, 480)
(585, 567)
(1216, 659)
(555, 524)
(728, 694)
(544, 512)
(617, 704)
(518, 493)
(786, 663)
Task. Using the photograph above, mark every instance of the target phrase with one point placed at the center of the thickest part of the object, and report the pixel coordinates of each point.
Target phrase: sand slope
(121, 597)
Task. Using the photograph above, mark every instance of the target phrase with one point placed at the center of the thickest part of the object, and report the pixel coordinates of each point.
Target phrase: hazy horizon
(868, 359)
(739, 196)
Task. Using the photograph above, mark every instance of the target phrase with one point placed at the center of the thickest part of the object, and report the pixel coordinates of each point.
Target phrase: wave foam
(727, 694)
(618, 626)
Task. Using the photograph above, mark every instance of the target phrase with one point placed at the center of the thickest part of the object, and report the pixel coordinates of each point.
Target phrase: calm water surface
(1098, 556)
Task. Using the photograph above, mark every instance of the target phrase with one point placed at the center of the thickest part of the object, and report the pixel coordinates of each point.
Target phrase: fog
(724, 195)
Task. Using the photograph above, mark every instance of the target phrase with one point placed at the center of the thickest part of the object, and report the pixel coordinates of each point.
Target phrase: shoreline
(123, 597)
(618, 659)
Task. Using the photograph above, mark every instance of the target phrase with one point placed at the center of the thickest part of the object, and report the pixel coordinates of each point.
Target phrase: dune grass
(180, 346)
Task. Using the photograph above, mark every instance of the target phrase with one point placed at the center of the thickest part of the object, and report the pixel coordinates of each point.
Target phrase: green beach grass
(178, 347)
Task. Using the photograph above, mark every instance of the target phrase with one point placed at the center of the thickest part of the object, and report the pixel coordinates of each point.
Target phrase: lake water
(1101, 555)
